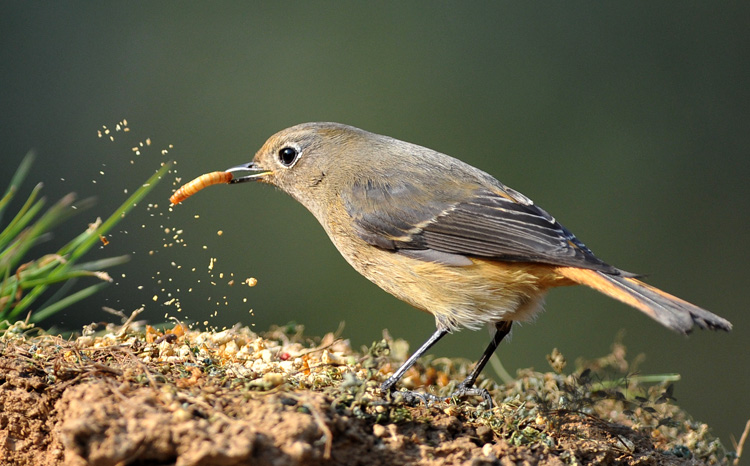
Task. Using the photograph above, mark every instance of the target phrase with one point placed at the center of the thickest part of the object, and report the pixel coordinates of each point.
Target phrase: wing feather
(494, 223)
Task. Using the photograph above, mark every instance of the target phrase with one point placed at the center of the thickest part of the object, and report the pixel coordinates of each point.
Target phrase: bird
(445, 237)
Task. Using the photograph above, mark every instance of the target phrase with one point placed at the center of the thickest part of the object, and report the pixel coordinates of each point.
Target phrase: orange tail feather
(668, 310)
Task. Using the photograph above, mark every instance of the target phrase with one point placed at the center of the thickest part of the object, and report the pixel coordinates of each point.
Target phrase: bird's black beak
(256, 173)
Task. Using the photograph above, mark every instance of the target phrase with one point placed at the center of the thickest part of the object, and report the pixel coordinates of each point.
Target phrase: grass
(26, 280)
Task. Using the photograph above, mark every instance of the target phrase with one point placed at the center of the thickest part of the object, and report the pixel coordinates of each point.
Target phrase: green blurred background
(628, 122)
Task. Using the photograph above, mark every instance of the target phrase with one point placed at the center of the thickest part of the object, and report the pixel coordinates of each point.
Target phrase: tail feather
(668, 310)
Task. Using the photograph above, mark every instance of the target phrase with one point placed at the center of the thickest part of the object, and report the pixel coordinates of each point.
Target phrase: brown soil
(145, 397)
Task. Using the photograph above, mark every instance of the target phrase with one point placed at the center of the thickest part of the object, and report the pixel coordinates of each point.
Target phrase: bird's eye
(288, 156)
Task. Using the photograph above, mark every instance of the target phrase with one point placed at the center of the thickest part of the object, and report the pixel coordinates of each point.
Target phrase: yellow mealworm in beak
(188, 189)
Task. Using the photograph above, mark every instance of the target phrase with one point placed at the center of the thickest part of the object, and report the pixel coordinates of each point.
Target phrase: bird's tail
(668, 310)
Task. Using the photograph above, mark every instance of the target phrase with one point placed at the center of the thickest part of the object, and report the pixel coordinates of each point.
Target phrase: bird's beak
(256, 173)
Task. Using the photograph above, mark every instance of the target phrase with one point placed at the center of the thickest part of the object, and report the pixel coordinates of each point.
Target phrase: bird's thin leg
(411, 396)
(503, 328)
(467, 386)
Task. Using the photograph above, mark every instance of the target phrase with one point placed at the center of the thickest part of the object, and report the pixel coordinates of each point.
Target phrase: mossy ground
(137, 395)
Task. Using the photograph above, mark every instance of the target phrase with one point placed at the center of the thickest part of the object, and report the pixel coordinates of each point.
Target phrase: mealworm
(188, 189)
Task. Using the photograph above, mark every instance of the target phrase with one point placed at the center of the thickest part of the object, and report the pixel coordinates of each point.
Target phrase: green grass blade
(105, 263)
(39, 268)
(7, 296)
(126, 206)
(79, 246)
(59, 293)
(25, 302)
(7, 197)
(38, 276)
(15, 183)
(69, 275)
(21, 243)
(39, 239)
(24, 216)
(74, 243)
(57, 306)
(38, 234)
(28, 238)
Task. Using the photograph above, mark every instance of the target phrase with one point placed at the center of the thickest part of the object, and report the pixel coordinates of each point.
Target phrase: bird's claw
(413, 398)
(469, 390)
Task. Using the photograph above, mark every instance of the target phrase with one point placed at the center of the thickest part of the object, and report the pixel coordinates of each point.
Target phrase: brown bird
(444, 236)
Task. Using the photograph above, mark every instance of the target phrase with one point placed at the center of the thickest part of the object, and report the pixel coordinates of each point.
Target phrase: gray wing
(494, 223)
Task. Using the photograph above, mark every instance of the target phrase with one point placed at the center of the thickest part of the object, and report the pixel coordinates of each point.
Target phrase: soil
(141, 396)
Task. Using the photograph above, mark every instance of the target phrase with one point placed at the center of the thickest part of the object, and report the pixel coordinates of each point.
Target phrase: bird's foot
(413, 398)
(470, 390)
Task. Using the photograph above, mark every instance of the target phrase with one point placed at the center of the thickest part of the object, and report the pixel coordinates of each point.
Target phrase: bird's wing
(488, 222)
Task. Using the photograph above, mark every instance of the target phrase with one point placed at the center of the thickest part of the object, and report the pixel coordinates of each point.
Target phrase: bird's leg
(411, 397)
(467, 386)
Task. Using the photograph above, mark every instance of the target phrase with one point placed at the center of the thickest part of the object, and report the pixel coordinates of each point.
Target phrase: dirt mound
(224, 398)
